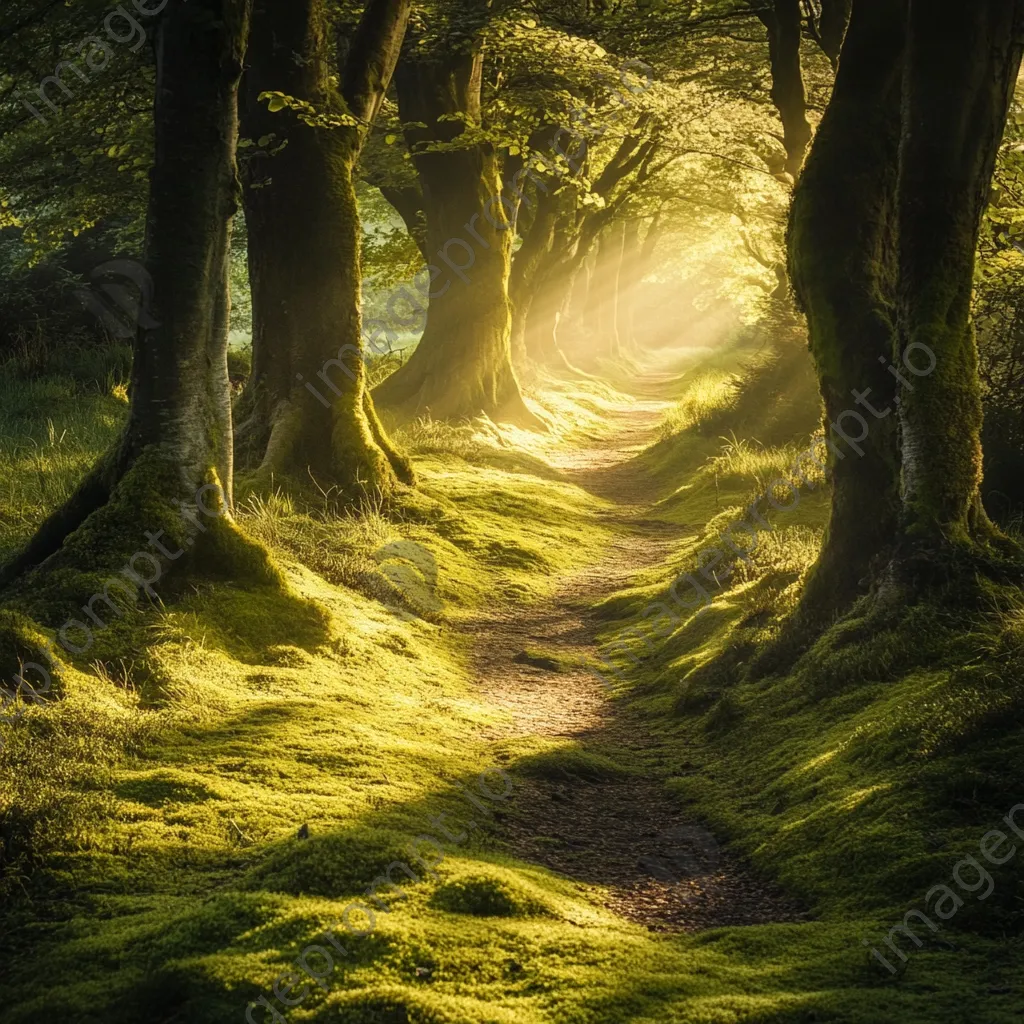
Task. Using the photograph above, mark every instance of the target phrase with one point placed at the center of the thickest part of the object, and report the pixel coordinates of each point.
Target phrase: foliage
(999, 315)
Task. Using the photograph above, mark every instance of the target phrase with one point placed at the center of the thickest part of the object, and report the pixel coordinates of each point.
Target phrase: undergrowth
(860, 775)
(190, 815)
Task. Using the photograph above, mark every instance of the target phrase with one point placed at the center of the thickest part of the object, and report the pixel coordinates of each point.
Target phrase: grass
(51, 428)
(150, 819)
(860, 776)
(703, 401)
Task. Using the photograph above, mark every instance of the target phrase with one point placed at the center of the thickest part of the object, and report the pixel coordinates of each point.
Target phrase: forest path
(622, 832)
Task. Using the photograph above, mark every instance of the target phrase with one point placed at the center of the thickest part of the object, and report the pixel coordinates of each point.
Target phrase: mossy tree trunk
(462, 366)
(962, 66)
(307, 408)
(178, 436)
(842, 262)
(784, 21)
(528, 271)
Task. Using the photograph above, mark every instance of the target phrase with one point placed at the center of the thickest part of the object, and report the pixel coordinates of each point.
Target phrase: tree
(962, 66)
(306, 406)
(177, 442)
(607, 168)
(784, 21)
(842, 262)
(828, 24)
(463, 364)
(883, 233)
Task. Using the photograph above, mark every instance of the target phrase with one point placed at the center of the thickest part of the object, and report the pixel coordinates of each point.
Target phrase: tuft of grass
(52, 429)
(710, 394)
(427, 436)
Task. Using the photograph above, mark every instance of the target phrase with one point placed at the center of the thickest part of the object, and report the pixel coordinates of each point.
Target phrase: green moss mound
(331, 865)
(571, 762)
(482, 896)
(21, 643)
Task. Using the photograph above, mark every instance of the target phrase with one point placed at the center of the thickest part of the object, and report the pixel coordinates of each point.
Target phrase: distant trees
(784, 21)
(463, 364)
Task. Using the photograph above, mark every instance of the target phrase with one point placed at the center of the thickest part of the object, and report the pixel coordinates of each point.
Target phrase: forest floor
(678, 842)
(660, 868)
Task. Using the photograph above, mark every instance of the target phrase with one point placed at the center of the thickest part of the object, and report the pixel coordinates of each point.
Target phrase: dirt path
(658, 867)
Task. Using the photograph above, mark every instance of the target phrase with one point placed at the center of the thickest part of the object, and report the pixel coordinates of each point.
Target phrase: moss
(21, 642)
(225, 552)
(571, 762)
(481, 896)
(164, 786)
(335, 866)
(109, 538)
(164, 835)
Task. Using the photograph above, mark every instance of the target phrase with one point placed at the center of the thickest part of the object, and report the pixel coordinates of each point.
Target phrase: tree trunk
(462, 366)
(547, 311)
(832, 25)
(784, 22)
(308, 410)
(605, 290)
(527, 272)
(630, 274)
(842, 262)
(962, 66)
(176, 447)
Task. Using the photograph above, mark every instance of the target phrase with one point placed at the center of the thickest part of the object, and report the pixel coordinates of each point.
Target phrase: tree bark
(177, 439)
(962, 66)
(842, 262)
(784, 22)
(462, 366)
(308, 409)
(832, 26)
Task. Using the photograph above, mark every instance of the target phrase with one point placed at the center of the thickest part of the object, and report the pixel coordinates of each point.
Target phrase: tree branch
(372, 56)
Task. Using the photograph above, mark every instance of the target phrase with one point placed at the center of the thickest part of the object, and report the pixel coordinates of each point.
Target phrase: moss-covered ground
(194, 813)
